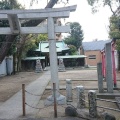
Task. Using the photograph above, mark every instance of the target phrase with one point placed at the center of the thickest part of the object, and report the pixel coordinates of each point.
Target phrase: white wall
(6, 67)
(3, 68)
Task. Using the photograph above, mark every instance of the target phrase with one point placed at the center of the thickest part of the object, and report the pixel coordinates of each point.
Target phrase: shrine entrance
(16, 16)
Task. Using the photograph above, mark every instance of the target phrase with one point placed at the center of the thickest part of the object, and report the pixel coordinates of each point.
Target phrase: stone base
(61, 70)
(61, 100)
(38, 69)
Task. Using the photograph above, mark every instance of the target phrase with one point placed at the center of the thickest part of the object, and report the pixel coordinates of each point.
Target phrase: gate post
(100, 78)
(80, 97)
(92, 103)
(109, 77)
(69, 90)
(23, 100)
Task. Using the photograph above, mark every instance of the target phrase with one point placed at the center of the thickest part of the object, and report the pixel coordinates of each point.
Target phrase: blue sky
(95, 26)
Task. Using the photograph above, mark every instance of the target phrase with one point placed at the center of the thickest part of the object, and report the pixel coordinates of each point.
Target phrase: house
(93, 51)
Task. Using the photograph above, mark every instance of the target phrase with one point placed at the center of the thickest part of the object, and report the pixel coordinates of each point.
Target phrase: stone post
(68, 90)
(80, 97)
(109, 78)
(100, 78)
(92, 103)
(53, 64)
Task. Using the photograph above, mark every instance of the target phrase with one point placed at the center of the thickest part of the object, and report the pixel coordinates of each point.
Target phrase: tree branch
(109, 4)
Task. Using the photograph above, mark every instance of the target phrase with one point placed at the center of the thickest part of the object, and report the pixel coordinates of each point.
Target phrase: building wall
(6, 67)
(93, 57)
(3, 70)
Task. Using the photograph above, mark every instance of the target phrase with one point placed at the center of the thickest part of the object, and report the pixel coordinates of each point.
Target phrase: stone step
(108, 95)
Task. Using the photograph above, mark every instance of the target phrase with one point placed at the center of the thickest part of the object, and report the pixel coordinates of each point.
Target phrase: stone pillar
(109, 78)
(68, 90)
(53, 64)
(80, 97)
(92, 103)
(100, 78)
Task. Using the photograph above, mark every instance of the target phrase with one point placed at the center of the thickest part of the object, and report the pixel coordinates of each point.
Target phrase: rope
(37, 107)
(60, 92)
(74, 94)
(85, 100)
(31, 93)
(47, 92)
(36, 94)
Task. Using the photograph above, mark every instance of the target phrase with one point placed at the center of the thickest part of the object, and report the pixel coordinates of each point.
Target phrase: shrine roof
(60, 46)
(33, 58)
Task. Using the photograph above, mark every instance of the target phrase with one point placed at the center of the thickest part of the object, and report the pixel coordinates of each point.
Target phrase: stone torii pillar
(53, 63)
(109, 77)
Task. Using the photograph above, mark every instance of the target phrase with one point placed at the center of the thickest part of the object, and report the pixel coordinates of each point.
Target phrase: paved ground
(12, 107)
(9, 85)
(87, 78)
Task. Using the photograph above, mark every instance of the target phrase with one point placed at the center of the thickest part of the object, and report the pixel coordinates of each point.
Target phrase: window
(92, 57)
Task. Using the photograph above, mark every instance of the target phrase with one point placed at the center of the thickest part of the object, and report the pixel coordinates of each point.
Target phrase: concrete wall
(3, 68)
(9, 65)
(92, 62)
(6, 67)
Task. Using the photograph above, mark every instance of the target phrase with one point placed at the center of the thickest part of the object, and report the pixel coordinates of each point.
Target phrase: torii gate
(14, 17)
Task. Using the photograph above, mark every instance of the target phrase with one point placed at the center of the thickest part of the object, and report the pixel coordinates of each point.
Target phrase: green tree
(75, 36)
(32, 43)
(114, 29)
(8, 4)
(72, 50)
(115, 33)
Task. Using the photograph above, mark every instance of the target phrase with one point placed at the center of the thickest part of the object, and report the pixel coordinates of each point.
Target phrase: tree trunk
(14, 63)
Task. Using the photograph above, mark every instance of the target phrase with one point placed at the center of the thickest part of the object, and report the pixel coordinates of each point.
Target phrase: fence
(24, 102)
(77, 95)
(92, 100)
(93, 104)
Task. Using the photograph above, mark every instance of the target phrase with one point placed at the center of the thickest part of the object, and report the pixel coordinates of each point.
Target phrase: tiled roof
(60, 46)
(94, 45)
